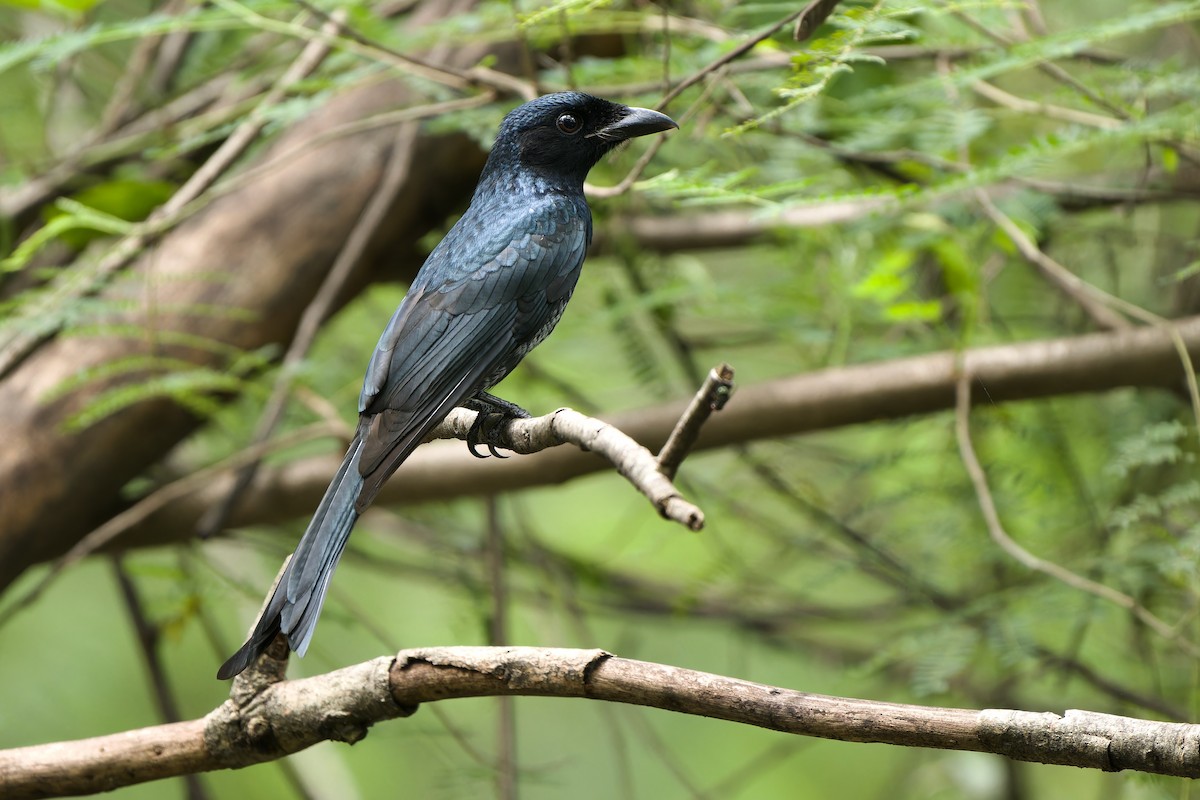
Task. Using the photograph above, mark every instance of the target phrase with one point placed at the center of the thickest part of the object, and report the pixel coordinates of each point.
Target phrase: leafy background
(852, 561)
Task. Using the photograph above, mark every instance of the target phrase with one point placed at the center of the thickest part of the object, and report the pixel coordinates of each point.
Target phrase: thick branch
(266, 722)
(830, 398)
(277, 236)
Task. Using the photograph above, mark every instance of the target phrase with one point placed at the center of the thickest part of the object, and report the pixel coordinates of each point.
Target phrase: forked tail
(296, 601)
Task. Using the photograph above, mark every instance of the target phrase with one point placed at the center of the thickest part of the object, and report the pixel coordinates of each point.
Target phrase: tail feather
(296, 602)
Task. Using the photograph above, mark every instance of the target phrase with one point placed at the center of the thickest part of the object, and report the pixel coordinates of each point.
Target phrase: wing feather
(458, 331)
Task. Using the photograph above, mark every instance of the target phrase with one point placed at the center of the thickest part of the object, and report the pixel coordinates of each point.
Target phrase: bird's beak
(637, 122)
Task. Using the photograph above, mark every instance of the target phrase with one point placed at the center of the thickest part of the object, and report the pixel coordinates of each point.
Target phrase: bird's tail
(297, 598)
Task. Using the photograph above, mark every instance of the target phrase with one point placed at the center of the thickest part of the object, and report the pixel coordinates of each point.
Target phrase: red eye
(568, 123)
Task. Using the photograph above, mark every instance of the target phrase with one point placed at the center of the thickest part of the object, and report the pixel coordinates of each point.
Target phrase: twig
(599, 192)
(444, 74)
(991, 518)
(289, 716)
(1048, 110)
(639, 167)
(734, 54)
(506, 720)
(712, 396)
(1048, 67)
(1095, 300)
(633, 461)
(1059, 276)
(147, 638)
(635, 172)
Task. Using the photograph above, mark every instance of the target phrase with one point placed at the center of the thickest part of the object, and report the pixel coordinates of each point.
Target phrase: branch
(266, 722)
(565, 426)
(831, 398)
(1056, 274)
(991, 518)
(713, 395)
(653, 477)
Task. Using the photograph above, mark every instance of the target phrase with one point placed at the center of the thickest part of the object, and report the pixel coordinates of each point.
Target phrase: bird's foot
(491, 412)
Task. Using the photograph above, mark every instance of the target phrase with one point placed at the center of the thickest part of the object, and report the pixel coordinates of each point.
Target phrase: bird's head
(563, 135)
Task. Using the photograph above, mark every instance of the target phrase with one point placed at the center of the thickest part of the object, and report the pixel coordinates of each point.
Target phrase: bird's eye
(568, 123)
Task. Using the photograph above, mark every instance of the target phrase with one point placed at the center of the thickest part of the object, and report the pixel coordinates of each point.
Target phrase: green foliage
(1160, 443)
(67, 222)
(850, 561)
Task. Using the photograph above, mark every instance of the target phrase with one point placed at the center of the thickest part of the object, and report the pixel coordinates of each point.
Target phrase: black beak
(636, 122)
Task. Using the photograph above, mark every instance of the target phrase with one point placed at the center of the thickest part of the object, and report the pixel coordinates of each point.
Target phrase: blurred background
(209, 211)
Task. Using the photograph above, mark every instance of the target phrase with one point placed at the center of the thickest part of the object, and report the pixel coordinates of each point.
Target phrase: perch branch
(270, 720)
(565, 426)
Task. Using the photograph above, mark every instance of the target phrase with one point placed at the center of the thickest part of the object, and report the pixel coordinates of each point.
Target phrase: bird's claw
(481, 430)
(490, 413)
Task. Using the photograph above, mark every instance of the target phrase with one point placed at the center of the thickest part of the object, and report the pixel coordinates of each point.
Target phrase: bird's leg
(491, 412)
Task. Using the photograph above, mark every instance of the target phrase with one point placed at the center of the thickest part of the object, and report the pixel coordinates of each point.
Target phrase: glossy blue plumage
(491, 291)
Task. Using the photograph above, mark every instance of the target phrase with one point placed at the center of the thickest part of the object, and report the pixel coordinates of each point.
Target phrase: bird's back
(490, 292)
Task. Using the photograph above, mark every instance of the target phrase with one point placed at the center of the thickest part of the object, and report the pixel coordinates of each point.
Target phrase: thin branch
(148, 635)
(1095, 300)
(1006, 543)
(1038, 108)
(734, 54)
(445, 74)
(635, 172)
(633, 461)
(713, 395)
(1059, 276)
(1048, 67)
(272, 720)
(506, 719)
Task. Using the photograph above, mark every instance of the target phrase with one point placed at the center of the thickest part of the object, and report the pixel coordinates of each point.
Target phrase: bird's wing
(461, 328)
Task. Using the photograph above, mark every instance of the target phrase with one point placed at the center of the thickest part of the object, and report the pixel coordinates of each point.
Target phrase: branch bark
(1141, 357)
(277, 236)
(265, 720)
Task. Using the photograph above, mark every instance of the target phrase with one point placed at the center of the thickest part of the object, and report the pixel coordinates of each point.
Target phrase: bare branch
(713, 396)
(1143, 356)
(1090, 299)
(1038, 108)
(633, 461)
(271, 720)
(1006, 543)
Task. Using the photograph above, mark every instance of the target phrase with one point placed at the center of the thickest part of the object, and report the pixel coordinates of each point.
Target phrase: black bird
(488, 294)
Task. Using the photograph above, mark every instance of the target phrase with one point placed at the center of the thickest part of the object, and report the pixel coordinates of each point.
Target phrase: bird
(487, 294)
